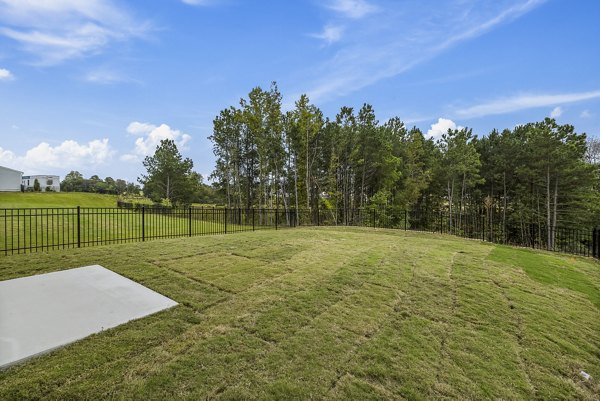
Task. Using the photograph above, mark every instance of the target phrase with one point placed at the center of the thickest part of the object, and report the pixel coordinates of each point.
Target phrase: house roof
(41, 175)
(11, 169)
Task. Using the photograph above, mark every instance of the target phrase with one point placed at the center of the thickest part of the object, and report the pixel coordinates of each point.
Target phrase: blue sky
(93, 85)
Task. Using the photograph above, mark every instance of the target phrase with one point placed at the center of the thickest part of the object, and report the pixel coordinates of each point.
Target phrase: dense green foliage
(74, 182)
(169, 177)
(326, 314)
(129, 191)
(538, 173)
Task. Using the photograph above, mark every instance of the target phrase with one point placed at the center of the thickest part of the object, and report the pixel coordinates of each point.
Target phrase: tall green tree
(303, 125)
(72, 182)
(227, 147)
(459, 168)
(169, 176)
(416, 157)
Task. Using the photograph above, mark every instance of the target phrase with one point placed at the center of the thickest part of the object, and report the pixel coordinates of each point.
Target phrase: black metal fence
(41, 229)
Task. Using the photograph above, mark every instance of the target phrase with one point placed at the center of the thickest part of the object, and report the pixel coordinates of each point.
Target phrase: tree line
(539, 172)
(75, 182)
(171, 181)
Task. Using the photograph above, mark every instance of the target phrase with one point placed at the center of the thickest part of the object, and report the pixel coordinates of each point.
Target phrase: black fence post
(318, 215)
(482, 228)
(405, 218)
(253, 219)
(373, 218)
(143, 223)
(597, 236)
(276, 217)
(78, 226)
(225, 219)
(190, 221)
(594, 243)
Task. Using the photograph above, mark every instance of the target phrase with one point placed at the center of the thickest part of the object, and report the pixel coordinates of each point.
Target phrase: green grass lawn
(330, 313)
(10, 200)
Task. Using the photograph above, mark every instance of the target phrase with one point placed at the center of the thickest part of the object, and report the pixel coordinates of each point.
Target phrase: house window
(49, 181)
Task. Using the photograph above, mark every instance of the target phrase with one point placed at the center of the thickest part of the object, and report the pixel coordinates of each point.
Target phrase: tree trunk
(555, 210)
(307, 183)
(285, 203)
(238, 184)
(362, 185)
(296, 184)
(548, 211)
(450, 201)
(462, 199)
(169, 188)
(504, 208)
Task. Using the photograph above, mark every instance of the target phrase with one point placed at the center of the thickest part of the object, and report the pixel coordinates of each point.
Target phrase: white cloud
(107, 77)
(7, 157)
(522, 102)
(68, 155)
(330, 34)
(400, 38)
(137, 128)
(197, 2)
(149, 137)
(352, 8)
(6, 75)
(556, 112)
(586, 114)
(58, 30)
(441, 127)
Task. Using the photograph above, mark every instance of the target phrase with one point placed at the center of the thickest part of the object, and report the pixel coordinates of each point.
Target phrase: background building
(46, 181)
(10, 180)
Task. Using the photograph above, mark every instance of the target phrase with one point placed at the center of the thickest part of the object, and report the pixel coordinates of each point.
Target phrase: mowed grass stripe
(328, 313)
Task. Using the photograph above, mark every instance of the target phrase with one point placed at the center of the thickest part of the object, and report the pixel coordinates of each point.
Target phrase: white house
(46, 181)
(10, 180)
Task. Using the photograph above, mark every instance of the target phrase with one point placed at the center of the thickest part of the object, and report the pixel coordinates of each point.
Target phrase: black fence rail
(41, 229)
(577, 241)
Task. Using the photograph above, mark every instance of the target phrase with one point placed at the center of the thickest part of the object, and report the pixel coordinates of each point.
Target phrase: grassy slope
(55, 199)
(331, 313)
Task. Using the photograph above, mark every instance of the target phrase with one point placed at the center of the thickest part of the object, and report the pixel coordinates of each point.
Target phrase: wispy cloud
(6, 75)
(352, 8)
(523, 102)
(103, 76)
(200, 2)
(330, 34)
(586, 114)
(55, 31)
(403, 36)
(556, 112)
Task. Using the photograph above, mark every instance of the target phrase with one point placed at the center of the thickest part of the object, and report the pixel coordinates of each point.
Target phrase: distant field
(55, 199)
(330, 313)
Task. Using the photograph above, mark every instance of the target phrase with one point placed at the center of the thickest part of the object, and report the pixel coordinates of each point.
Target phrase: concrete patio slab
(40, 313)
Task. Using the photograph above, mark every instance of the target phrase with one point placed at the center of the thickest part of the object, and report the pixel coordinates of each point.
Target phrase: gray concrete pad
(40, 313)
